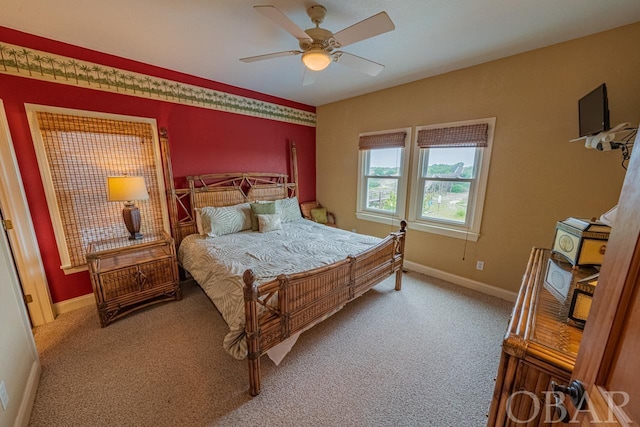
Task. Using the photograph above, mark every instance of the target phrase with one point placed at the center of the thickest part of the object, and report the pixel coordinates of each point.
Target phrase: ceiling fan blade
(357, 63)
(283, 21)
(370, 27)
(271, 55)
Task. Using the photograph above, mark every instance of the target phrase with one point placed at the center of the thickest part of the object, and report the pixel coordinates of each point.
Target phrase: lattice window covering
(383, 140)
(475, 135)
(81, 152)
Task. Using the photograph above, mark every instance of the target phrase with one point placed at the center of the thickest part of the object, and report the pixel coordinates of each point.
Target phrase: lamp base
(131, 216)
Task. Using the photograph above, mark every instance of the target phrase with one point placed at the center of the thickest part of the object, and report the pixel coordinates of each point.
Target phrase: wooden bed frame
(290, 303)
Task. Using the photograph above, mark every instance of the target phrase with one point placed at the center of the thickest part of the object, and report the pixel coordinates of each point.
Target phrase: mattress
(218, 263)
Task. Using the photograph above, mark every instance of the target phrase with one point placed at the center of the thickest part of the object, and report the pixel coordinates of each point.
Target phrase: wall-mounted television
(593, 112)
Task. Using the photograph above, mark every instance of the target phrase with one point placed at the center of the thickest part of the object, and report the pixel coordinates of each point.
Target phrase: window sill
(463, 234)
(382, 219)
(67, 269)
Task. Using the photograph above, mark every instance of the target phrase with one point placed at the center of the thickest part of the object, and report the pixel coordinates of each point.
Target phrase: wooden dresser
(130, 274)
(539, 346)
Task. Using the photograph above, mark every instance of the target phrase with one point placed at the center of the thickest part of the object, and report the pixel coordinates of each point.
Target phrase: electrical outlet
(353, 230)
(480, 265)
(4, 396)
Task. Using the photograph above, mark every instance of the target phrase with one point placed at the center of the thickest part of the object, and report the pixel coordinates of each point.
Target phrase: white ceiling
(207, 37)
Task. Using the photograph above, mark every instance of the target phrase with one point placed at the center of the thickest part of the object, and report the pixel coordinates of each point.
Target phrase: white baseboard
(29, 395)
(462, 281)
(73, 304)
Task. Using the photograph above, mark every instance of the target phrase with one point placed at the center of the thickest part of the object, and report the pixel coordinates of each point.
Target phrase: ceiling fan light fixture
(316, 59)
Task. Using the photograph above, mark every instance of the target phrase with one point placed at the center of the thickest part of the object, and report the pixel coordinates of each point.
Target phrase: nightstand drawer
(137, 278)
(132, 258)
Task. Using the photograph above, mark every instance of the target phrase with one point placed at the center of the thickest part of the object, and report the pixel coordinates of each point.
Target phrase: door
(19, 362)
(22, 236)
(607, 363)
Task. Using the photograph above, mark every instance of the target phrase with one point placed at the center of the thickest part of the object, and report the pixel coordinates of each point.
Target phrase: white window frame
(471, 230)
(362, 212)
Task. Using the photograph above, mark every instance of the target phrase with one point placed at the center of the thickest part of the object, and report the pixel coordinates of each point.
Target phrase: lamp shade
(126, 188)
(316, 59)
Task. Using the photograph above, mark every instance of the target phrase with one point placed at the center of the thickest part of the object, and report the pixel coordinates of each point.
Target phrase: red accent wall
(201, 140)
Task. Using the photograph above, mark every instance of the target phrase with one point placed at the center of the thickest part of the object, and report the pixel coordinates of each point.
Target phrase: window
(449, 182)
(382, 181)
(76, 151)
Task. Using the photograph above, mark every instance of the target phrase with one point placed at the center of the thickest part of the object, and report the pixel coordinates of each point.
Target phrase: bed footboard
(294, 303)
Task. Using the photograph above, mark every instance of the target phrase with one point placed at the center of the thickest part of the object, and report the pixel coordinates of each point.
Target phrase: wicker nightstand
(128, 275)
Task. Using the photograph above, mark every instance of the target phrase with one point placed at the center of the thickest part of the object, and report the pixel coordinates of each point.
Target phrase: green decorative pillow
(319, 215)
(260, 208)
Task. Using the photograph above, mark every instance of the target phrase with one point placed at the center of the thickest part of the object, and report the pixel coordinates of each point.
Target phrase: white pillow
(225, 220)
(289, 209)
(269, 222)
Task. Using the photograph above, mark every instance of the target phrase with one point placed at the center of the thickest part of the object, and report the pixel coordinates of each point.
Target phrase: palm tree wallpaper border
(29, 63)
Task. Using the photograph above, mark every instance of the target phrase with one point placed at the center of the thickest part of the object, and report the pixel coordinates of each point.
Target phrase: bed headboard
(220, 190)
(223, 190)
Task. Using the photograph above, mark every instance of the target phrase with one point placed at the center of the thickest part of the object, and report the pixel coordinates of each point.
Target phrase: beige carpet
(425, 356)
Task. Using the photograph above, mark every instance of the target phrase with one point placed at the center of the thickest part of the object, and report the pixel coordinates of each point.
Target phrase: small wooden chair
(315, 212)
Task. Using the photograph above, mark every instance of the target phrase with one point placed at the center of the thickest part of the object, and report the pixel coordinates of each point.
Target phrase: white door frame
(22, 236)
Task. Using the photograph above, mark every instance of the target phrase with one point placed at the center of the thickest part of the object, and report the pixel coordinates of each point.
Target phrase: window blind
(475, 135)
(384, 140)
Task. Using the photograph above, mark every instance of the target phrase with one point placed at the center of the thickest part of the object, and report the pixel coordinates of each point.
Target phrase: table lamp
(128, 189)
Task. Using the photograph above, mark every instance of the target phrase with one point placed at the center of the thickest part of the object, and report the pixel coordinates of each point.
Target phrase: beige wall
(537, 176)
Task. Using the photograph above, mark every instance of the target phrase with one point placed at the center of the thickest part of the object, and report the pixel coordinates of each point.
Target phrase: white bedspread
(218, 263)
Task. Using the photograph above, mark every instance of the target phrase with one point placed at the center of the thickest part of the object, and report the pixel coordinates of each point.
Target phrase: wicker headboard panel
(223, 190)
(264, 192)
(220, 197)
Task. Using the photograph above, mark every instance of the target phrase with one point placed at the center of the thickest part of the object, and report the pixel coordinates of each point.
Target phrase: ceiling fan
(318, 46)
